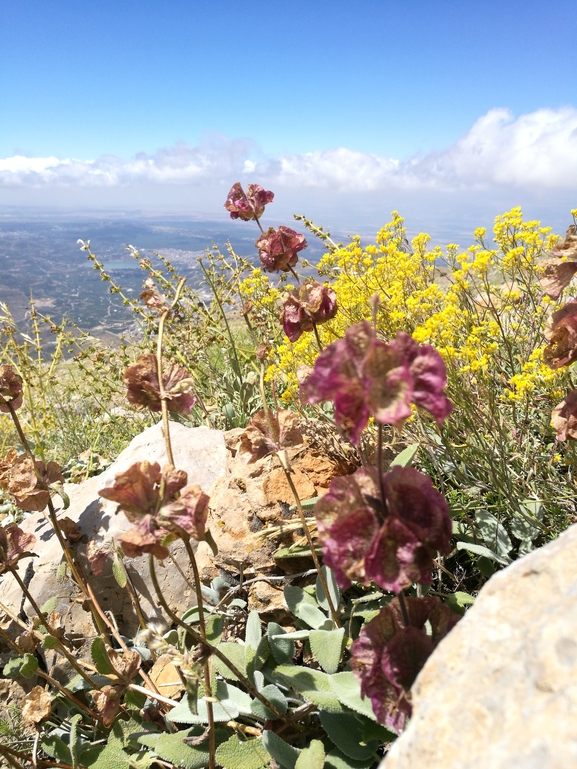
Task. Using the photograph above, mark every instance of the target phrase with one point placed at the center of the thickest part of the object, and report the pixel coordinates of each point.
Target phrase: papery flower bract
(268, 432)
(564, 417)
(392, 547)
(15, 544)
(312, 303)
(143, 387)
(557, 274)
(148, 497)
(363, 376)
(387, 656)
(188, 513)
(562, 337)
(278, 249)
(27, 479)
(429, 376)
(152, 297)
(10, 388)
(568, 248)
(247, 205)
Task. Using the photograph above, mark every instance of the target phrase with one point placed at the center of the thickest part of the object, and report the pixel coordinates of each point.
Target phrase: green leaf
(49, 642)
(304, 606)
(458, 601)
(119, 572)
(284, 754)
(209, 539)
(236, 653)
(348, 692)
(249, 754)
(231, 703)
(214, 628)
(283, 650)
(170, 747)
(50, 605)
(346, 732)
(100, 657)
(327, 647)
(334, 590)
(274, 696)
(62, 569)
(312, 684)
(312, 757)
(483, 551)
(374, 731)
(56, 748)
(24, 666)
(494, 533)
(336, 760)
(306, 504)
(253, 630)
(405, 458)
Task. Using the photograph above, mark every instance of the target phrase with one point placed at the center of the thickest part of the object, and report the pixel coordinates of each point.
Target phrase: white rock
(201, 453)
(500, 691)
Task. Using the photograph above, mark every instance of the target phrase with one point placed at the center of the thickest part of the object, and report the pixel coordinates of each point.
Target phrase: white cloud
(537, 150)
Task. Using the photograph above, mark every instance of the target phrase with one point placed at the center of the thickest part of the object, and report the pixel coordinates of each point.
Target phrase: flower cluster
(28, 480)
(366, 376)
(384, 530)
(161, 506)
(310, 304)
(247, 205)
(143, 386)
(389, 653)
(278, 249)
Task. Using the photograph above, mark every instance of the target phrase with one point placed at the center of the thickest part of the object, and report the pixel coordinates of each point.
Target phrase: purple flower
(277, 249)
(247, 205)
(364, 376)
(388, 655)
(392, 546)
(312, 303)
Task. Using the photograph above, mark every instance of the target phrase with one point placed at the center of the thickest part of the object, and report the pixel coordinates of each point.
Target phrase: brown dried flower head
(10, 388)
(143, 386)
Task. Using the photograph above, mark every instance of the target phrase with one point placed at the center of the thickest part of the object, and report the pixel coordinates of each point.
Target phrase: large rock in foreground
(201, 453)
(501, 690)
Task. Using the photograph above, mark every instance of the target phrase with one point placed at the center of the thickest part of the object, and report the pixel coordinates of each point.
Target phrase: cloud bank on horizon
(538, 149)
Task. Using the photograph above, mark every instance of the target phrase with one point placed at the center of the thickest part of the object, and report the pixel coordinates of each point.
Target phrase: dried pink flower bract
(15, 545)
(312, 303)
(152, 297)
(268, 432)
(562, 337)
(557, 274)
(278, 249)
(188, 513)
(143, 387)
(160, 505)
(387, 656)
(564, 417)
(429, 374)
(568, 248)
(10, 388)
(27, 480)
(392, 547)
(247, 205)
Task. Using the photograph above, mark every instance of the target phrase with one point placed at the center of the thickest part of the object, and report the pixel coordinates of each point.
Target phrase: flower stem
(317, 337)
(404, 608)
(287, 472)
(207, 671)
(212, 649)
(163, 404)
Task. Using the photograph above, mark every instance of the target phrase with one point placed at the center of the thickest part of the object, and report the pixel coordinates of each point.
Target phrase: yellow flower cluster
(481, 308)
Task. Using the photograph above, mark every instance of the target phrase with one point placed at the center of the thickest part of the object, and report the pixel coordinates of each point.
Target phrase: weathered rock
(500, 690)
(201, 453)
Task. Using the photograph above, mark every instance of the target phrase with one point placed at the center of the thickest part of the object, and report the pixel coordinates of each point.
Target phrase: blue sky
(349, 108)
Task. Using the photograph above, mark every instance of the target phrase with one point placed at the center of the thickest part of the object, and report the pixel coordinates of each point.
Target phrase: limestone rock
(500, 690)
(201, 453)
